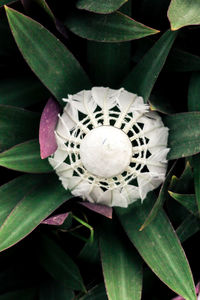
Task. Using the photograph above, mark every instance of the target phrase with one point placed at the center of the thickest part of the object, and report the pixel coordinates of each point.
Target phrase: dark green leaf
(16, 126)
(25, 294)
(183, 13)
(160, 200)
(187, 200)
(184, 134)
(3, 2)
(106, 70)
(61, 267)
(12, 192)
(188, 228)
(96, 293)
(125, 260)
(115, 27)
(143, 77)
(25, 157)
(31, 210)
(102, 7)
(55, 66)
(159, 246)
(193, 105)
(90, 251)
(22, 91)
(54, 290)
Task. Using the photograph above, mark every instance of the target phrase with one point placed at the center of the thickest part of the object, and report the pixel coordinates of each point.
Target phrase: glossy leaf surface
(115, 27)
(127, 263)
(187, 200)
(28, 213)
(184, 134)
(51, 61)
(17, 125)
(14, 191)
(143, 77)
(159, 246)
(102, 7)
(183, 13)
(25, 157)
(188, 228)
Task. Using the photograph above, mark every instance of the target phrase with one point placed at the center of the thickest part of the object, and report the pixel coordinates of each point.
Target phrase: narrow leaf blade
(159, 247)
(31, 210)
(55, 66)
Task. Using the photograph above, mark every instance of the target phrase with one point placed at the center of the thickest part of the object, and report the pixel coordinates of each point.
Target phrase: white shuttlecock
(111, 148)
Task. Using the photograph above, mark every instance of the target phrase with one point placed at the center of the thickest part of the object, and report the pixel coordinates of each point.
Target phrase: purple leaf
(100, 209)
(56, 220)
(48, 123)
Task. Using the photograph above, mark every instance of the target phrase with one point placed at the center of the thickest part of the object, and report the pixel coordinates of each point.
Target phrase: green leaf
(183, 13)
(31, 210)
(54, 290)
(17, 125)
(55, 66)
(5, 2)
(193, 105)
(143, 77)
(25, 294)
(187, 200)
(90, 252)
(159, 246)
(25, 157)
(160, 200)
(61, 267)
(12, 192)
(115, 27)
(125, 260)
(96, 293)
(106, 70)
(184, 134)
(102, 7)
(188, 228)
(25, 91)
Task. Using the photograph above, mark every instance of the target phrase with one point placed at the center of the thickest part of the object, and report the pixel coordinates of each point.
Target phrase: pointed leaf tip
(48, 123)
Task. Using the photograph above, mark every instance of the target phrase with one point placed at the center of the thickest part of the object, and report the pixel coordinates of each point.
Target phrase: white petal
(62, 130)
(103, 95)
(158, 136)
(84, 102)
(147, 182)
(131, 193)
(70, 116)
(157, 162)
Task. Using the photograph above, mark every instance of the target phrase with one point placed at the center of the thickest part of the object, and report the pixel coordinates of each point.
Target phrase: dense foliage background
(49, 49)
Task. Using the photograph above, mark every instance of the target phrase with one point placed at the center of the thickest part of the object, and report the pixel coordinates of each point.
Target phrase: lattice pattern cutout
(131, 126)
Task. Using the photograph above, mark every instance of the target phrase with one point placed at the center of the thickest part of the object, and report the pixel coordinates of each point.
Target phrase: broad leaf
(183, 13)
(51, 61)
(31, 210)
(115, 27)
(102, 7)
(184, 134)
(14, 191)
(122, 267)
(106, 70)
(159, 246)
(25, 157)
(17, 125)
(143, 77)
(25, 91)
(57, 263)
(188, 228)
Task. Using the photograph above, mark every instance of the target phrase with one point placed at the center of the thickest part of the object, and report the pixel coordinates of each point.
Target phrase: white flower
(111, 148)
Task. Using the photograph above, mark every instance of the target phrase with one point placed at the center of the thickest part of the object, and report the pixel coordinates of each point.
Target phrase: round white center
(106, 151)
